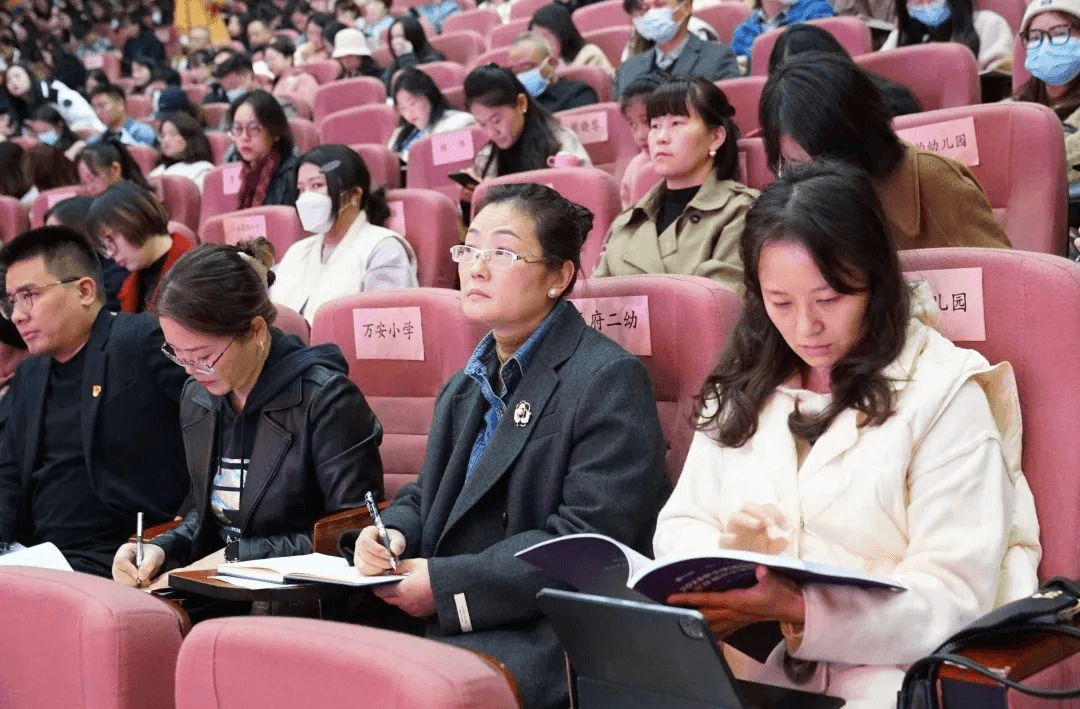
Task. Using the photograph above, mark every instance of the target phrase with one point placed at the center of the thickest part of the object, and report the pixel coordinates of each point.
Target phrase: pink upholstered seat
(432, 226)
(612, 40)
(940, 74)
(14, 219)
(724, 17)
(292, 323)
(690, 319)
(609, 13)
(196, 92)
(347, 93)
(144, 156)
(382, 164)
(183, 230)
(278, 224)
(180, 196)
(325, 70)
(589, 74)
(1028, 195)
(744, 94)
(48, 198)
(461, 46)
(502, 36)
(479, 20)
(75, 640)
(402, 392)
(525, 9)
(446, 74)
(214, 113)
(423, 173)
(609, 155)
(214, 199)
(851, 32)
(588, 186)
(285, 663)
(138, 106)
(370, 123)
(305, 135)
(220, 142)
(498, 53)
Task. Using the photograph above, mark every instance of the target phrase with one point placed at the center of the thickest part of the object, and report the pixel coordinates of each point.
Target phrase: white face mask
(316, 212)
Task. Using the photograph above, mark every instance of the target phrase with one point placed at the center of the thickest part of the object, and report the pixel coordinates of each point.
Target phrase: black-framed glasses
(23, 299)
(496, 258)
(1058, 34)
(197, 366)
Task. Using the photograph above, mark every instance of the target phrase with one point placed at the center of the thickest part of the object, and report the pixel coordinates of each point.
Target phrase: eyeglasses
(500, 259)
(254, 130)
(199, 367)
(1058, 34)
(23, 299)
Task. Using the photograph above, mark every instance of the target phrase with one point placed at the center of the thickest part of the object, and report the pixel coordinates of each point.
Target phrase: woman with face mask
(50, 128)
(984, 32)
(771, 14)
(350, 251)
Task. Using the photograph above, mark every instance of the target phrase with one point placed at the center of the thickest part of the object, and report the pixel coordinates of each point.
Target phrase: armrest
(327, 529)
(1017, 659)
(158, 529)
(502, 669)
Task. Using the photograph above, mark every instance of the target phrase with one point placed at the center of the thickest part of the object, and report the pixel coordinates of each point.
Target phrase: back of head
(13, 178)
(66, 253)
(561, 225)
(47, 168)
(678, 96)
(129, 210)
(799, 38)
(830, 108)
(100, 155)
(71, 212)
(219, 289)
(641, 87)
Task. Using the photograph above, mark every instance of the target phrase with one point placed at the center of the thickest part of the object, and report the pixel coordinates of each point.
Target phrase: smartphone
(463, 178)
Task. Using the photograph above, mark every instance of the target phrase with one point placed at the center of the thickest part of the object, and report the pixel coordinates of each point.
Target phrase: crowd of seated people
(205, 413)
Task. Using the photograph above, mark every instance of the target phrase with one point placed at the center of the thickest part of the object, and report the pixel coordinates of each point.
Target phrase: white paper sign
(590, 127)
(954, 139)
(231, 180)
(452, 147)
(388, 333)
(245, 228)
(624, 319)
(958, 296)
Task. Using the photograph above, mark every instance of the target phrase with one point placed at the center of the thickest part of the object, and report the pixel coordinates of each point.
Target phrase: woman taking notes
(839, 428)
(550, 429)
(276, 435)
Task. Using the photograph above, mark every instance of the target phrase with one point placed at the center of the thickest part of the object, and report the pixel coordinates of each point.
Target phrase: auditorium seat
(279, 224)
(502, 36)
(461, 46)
(525, 9)
(196, 93)
(689, 319)
(939, 74)
(724, 17)
(608, 139)
(214, 114)
(138, 106)
(284, 663)
(292, 323)
(220, 142)
(597, 16)
(382, 164)
(325, 71)
(432, 224)
(588, 186)
(495, 55)
(611, 40)
(183, 230)
(594, 76)
(479, 20)
(180, 196)
(214, 199)
(76, 640)
(44, 202)
(14, 218)
(1021, 167)
(369, 123)
(144, 156)
(305, 134)
(426, 171)
(744, 95)
(851, 32)
(445, 74)
(347, 93)
(402, 392)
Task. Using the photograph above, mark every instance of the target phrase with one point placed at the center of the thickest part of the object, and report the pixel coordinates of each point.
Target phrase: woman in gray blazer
(550, 429)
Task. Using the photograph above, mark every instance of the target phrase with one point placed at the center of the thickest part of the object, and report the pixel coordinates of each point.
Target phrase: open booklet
(42, 556)
(321, 568)
(594, 563)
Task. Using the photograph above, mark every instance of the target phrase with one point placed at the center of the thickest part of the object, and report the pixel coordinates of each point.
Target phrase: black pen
(384, 537)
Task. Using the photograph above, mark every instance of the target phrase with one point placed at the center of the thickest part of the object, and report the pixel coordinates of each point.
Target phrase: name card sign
(388, 333)
(59, 196)
(396, 221)
(452, 147)
(624, 319)
(231, 180)
(742, 166)
(958, 296)
(245, 228)
(954, 139)
(590, 127)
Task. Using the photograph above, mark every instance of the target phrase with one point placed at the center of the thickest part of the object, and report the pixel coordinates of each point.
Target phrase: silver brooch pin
(522, 413)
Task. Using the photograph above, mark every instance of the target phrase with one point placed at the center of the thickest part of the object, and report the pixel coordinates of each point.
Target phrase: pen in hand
(138, 547)
(384, 537)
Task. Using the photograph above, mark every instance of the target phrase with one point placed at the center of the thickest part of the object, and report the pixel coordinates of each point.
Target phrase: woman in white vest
(350, 251)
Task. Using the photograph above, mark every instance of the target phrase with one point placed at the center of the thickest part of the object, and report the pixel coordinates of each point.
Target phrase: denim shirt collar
(483, 364)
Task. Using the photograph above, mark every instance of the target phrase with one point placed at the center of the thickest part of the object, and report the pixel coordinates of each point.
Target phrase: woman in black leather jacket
(275, 433)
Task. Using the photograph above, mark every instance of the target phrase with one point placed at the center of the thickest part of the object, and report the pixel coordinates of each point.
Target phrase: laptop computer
(651, 656)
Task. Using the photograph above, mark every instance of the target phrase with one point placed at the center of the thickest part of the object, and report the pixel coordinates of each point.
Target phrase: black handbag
(1048, 611)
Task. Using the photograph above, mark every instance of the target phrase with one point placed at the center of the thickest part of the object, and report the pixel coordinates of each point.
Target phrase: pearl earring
(553, 293)
(712, 153)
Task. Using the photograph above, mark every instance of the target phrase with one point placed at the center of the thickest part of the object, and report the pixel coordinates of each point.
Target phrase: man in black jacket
(92, 435)
(531, 59)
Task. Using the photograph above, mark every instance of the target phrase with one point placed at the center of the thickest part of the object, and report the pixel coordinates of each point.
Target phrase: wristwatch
(232, 550)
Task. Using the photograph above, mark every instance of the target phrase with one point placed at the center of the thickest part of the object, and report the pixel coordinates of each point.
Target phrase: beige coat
(703, 241)
(931, 200)
(932, 498)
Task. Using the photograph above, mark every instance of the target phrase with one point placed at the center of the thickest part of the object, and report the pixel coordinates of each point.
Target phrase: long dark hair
(413, 31)
(831, 108)
(493, 86)
(555, 18)
(345, 171)
(65, 137)
(677, 96)
(830, 209)
(417, 83)
(197, 145)
(13, 178)
(47, 168)
(959, 28)
(24, 105)
(271, 116)
(100, 154)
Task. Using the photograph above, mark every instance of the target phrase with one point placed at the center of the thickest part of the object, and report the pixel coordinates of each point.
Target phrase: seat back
(594, 76)
(370, 123)
(496, 55)
(612, 40)
(305, 134)
(592, 188)
(278, 224)
(196, 93)
(220, 142)
(445, 74)
(939, 74)
(44, 202)
(1034, 324)
(605, 134)
(401, 392)
(347, 93)
(479, 20)
(690, 319)
(180, 196)
(851, 32)
(76, 640)
(138, 106)
(382, 164)
(1029, 197)
(724, 17)
(525, 9)
(597, 16)
(214, 113)
(744, 95)
(221, 192)
(502, 36)
(1020, 74)
(144, 156)
(428, 170)
(325, 71)
(274, 663)
(1011, 10)
(461, 46)
(431, 222)
(292, 323)
(14, 218)
(183, 230)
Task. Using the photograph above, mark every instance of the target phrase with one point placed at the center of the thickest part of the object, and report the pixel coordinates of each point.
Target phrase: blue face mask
(533, 81)
(48, 138)
(657, 25)
(1054, 64)
(933, 14)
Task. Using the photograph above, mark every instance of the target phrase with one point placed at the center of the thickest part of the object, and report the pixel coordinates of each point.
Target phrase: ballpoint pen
(384, 537)
(138, 545)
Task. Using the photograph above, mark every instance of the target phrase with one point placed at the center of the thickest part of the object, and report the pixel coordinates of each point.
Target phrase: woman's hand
(414, 594)
(370, 557)
(771, 598)
(757, 528)
(124, 570)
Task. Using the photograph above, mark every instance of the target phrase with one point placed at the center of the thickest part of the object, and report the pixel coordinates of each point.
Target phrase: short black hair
(111, 90)
(66, 253)
(238, 63)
